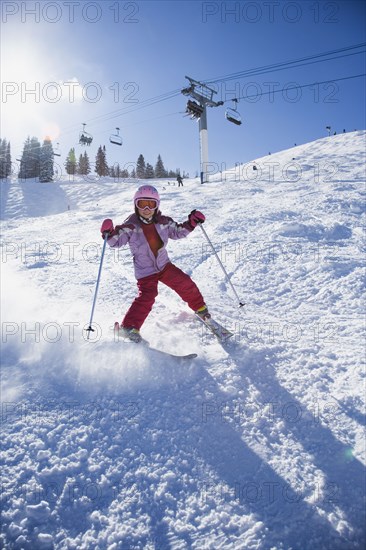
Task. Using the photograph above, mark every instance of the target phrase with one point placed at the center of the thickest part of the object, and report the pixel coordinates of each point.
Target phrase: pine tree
(101, 166)
(46, 162)
(79, 167)
(22, 169)
(83, 165)
(3, 159)
(160, 171)
(71, 163)
(35, 153)
(140, 167)
(149, 172)
(29, 164)
(8, 161)
(115, 171)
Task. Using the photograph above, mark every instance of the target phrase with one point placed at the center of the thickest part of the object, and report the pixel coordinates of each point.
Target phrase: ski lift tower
(204, 96)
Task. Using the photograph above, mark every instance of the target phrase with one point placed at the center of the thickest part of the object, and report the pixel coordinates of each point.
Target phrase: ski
(221, 333)
(186, 357)
(118, 336)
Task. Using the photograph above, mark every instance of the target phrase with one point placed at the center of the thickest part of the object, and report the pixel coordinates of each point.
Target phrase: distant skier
(147, 232)
(179, 180)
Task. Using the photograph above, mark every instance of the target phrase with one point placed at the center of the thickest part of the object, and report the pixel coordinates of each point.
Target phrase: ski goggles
(151, 204)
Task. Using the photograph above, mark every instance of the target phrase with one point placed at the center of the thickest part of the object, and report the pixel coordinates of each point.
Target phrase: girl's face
(146, 212)
(146, 207)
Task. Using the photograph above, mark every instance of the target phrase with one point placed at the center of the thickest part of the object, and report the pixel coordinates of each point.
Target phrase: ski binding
(221, 333)
(118, 335)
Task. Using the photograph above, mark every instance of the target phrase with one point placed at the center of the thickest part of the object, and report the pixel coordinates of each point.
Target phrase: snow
(256, 444)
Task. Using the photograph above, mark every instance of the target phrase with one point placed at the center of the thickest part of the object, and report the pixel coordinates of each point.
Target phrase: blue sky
(114, 55)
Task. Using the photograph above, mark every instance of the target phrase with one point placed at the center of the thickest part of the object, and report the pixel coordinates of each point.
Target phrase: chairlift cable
(174, 93)
(301, 86)
(258, 73)
(285, 64)
(260, 70)
(264, 69)
(255, 71)
(126, 110)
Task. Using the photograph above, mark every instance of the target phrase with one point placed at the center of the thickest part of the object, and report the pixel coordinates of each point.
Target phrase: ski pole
(241, 304)
(90, 329)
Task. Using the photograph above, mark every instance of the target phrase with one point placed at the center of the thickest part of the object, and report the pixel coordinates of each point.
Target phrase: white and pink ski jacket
(131, 232)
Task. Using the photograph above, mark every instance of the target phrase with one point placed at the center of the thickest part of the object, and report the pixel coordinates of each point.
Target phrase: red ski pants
(175, 279)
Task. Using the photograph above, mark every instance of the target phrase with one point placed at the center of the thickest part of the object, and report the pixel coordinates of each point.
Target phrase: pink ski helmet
(147, 192)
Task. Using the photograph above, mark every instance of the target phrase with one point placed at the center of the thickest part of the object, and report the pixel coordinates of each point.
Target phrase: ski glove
(107, 227)
(196, 217)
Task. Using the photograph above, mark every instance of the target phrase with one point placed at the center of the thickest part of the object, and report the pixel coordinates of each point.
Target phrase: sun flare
(27, 103)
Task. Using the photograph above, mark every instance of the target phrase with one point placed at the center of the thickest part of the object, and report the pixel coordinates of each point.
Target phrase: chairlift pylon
(116, 139)
(84, 137)
(232, 114)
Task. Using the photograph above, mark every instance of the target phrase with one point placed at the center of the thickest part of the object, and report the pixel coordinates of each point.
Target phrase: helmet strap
(147, 221)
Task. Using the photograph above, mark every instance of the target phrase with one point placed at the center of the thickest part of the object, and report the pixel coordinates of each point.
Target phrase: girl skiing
(147, 232)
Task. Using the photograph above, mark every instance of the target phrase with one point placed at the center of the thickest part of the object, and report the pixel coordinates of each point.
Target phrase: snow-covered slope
(258, 444)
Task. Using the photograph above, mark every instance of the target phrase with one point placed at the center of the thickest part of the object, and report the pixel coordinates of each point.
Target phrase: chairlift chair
(116, 139)
(194, 109)
(56, 151)
(84, 137)
(232, 114)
